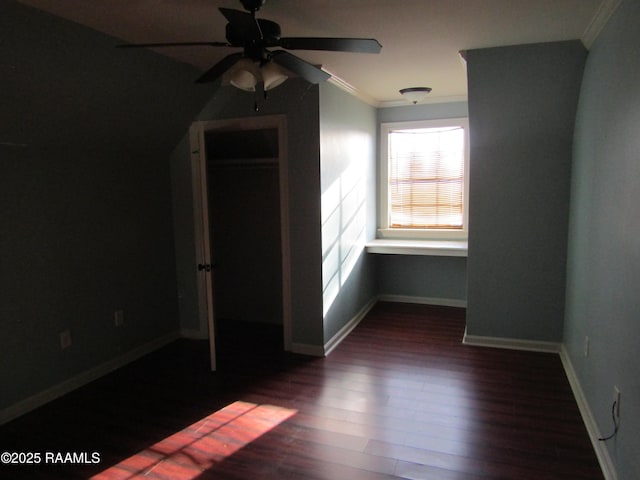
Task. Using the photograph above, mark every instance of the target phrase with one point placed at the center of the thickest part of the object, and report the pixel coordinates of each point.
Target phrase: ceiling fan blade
(219, 68)
(358, 45)
(244, 22)
(173, 44)
(306, 70)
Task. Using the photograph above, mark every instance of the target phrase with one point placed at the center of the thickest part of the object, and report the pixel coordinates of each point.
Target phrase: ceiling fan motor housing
(252, 5)
(237, 36)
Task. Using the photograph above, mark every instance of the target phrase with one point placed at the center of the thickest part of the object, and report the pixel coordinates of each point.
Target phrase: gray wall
(298, 100)
(442, 278)
(522, 103)
(183, 231)
(85, 217)
(426, 278)
(348, 153)
(604, 252)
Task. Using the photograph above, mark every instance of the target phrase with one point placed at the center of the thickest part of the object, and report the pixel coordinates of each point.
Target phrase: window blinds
(426, 178)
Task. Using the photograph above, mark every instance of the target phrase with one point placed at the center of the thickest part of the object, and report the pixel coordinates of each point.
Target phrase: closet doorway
(243, 216)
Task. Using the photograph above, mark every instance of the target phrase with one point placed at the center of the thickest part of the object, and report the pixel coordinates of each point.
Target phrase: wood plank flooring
(401, 397)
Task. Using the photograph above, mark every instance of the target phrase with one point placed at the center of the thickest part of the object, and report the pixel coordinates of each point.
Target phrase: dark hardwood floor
(401, 397)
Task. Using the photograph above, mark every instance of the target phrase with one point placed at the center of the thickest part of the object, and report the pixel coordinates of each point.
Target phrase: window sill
(441, 248)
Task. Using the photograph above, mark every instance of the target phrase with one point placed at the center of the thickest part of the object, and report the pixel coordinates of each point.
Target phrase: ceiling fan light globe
(244, 76)
(272, 76)
(243, 80)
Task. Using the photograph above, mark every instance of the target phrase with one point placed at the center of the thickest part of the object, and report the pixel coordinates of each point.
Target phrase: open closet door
(200, 164)
(201, 234)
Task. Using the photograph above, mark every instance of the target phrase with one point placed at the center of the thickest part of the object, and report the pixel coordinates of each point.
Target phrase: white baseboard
(510, 343)
(606, 464)
(346, 330)
(322, 351)
(51, 393)
(441, 302)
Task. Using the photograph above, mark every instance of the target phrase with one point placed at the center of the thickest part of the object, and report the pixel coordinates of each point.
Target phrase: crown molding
(350, 89)
(598, 22)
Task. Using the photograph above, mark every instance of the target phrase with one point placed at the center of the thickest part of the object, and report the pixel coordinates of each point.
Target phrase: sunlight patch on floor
(188, 453)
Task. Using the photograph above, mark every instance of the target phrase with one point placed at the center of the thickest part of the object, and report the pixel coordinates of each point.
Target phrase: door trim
(201, 217)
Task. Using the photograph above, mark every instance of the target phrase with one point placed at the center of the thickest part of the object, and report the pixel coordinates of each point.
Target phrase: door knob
(204, 266)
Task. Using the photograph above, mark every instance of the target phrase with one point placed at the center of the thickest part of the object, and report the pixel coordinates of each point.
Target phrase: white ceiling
(420, 38)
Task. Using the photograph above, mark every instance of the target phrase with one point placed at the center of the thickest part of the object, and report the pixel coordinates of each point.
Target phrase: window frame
(384, 231)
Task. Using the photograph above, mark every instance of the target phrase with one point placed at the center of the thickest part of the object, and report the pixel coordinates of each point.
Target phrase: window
(424, 179)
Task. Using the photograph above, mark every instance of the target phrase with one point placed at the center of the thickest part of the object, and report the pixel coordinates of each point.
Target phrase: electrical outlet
(65, 339)
(586, 346)
(118, 318)
(616, 399)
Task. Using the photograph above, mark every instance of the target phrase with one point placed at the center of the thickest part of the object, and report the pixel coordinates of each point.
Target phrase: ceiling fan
(258, 62)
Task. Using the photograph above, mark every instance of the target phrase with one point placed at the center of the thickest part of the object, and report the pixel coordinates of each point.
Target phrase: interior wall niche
(245, 225)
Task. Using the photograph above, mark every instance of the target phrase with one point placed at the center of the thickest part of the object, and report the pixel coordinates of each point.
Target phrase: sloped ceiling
(421, 38)
(66, 86)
